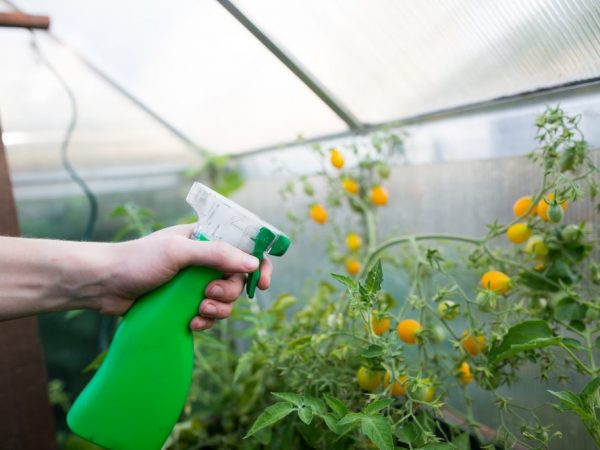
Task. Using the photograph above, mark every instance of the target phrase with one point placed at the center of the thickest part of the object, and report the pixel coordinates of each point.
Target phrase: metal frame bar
(436, 114)
(302, 73)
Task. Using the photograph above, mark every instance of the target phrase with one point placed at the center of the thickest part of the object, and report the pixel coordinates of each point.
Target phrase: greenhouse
(235, 224)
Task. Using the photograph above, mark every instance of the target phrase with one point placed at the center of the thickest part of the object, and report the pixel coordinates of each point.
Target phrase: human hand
(144, 264)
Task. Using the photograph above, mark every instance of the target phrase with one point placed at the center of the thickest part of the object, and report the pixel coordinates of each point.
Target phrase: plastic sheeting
(196, 66)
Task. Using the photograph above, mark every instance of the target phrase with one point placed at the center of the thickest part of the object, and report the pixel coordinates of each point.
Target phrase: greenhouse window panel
(196, 67)
(391, 60)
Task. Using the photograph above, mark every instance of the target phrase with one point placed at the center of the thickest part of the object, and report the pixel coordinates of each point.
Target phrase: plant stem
(577, 361)
(372, 255)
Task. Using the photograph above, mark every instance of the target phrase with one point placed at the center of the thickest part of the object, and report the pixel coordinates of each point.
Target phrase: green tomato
(448, 310)
(536, 246)
(567, 159)
(555, 213)
(571, 233)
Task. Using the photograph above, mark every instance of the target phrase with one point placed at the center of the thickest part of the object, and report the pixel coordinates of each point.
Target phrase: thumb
(217, 255)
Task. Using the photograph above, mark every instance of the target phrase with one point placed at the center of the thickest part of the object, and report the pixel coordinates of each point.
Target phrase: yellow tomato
(368, 380)
(464, 373)
(318, 213)
(379, 325)
(353, 241)
(522, 205)
(498, 282)
(336, 158)
(398, 387)
(379, 196)
(518, 233)
(542, 207)
(473, 345)
(352, 266)
(408, 329)
(350, 186)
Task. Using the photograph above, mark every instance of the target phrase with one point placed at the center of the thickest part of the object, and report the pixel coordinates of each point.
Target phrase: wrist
(85, 275)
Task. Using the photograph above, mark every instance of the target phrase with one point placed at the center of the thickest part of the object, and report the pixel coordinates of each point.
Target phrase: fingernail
(250, 262)
(216, 291)
(209, 308)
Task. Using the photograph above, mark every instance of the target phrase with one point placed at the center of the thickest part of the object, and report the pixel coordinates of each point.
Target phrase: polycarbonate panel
(196, 66)
(35, 112)
(391, 59)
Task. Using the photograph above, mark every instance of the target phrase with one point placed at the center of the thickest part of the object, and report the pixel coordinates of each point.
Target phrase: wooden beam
(26, 420)
(20, 20)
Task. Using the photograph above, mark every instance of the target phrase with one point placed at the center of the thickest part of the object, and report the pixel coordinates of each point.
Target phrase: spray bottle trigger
(252, 282)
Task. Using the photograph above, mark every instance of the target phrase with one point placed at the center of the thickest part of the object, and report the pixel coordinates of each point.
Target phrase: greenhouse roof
(232, 77)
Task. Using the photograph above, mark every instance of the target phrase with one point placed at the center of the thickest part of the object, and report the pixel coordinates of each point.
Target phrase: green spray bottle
(137, 395)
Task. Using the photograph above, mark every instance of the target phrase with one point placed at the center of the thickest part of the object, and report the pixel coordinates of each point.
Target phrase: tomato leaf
(462, 441)
(337, 406)
(377, 406)
(270, 416)
(524, 336)
(589, 394)
(243, 367)
(437, 446)
(568, 309)
(316, 404)
(372, 284)
(350, 283)
(351, 418)
(408, 433)
(290, 397)
(569, 401)
(378, 429)
(373, 351)
(306, 414)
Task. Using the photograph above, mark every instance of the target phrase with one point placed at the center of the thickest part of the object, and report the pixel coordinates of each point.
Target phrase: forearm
(41, 275)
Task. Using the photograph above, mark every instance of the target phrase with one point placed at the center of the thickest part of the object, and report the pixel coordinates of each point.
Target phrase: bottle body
(137, 395)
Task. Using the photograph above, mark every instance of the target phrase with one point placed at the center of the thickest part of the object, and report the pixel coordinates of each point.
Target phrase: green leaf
(283, 302)
(316, 404)
(337, 406)
(373, 351)
(96, 362)
(372, 284)
(377, 406)
(378, 429)
(331, 423)
(568, 309)
(290, 397)
(350, 418)
(572, 343)
(270, 416)
(462, 441)
(437, 446)
(375, 277)
(306, 414)
(570, 401)
(524, 336)
(350, 283)
(536, 283)
(408, 432)
(243, 367)
(590, 391)
(309, 433)
(577, 324)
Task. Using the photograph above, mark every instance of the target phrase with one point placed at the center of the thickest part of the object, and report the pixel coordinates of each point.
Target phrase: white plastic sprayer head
(220, 219)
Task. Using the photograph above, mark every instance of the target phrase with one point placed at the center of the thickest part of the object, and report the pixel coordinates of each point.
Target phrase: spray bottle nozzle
(220, 219)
